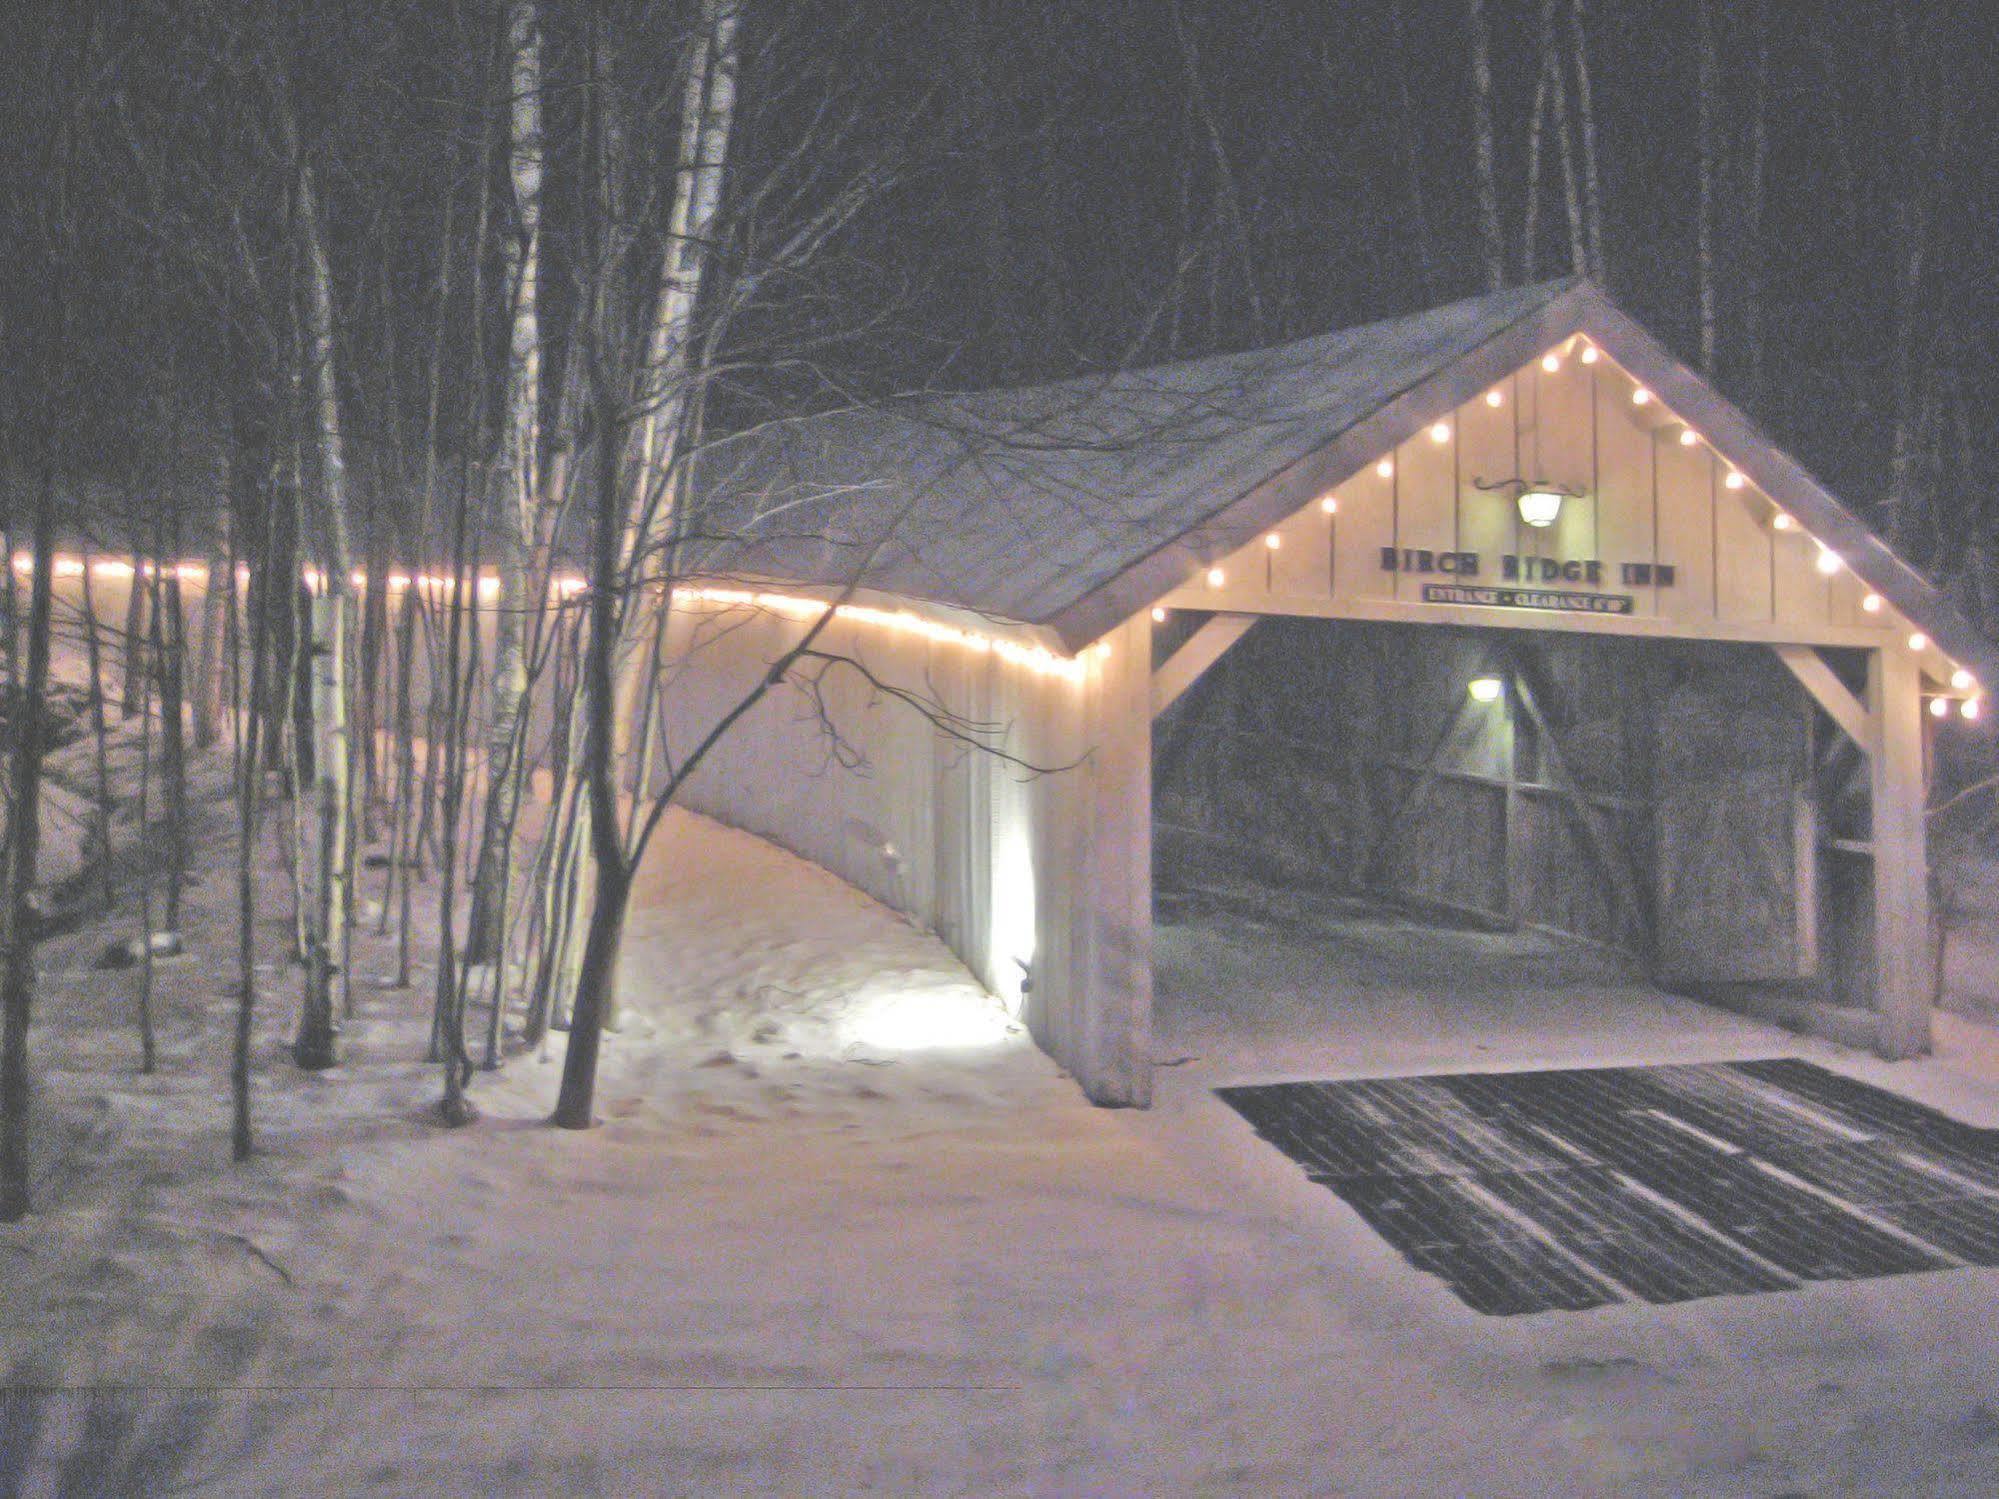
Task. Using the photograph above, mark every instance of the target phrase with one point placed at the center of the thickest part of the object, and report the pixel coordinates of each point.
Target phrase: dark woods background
(1024, 189)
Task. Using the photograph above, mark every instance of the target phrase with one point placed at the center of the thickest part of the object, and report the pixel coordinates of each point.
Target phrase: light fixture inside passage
(1969, 707)
(1158, 615)
(1485, 689)
(1589, 354)
(1540, 507)
(1735, 479)
(1641, 397)
(1494, 398)
(1919, 641)
(1273, 541)
(1216, 577)
(1939, 707)
(1385, 468)
(1551, 362)
(1688, 437)
(1828, 561)
(1963, 680)
(1330, 504)
(1781, 522)
(1441, 432)
(1872, 603)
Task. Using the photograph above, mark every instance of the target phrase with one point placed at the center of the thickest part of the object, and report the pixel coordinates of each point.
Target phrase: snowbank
(814, 1251)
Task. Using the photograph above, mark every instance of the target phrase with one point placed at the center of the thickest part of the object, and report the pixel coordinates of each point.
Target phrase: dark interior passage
(1679, 806)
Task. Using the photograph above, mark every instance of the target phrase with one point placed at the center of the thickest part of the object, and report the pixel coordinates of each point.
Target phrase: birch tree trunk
(206, 693)
(623, 629)
(1564, 144)
(1598, 266)
(1530, 211)
(326, 980)
(17, 965)
(515, 507)
(1492, 238)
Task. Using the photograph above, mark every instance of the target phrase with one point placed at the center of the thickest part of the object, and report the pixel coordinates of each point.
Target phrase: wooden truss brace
(1831, 694)
(1597, 833)
(1200, 651)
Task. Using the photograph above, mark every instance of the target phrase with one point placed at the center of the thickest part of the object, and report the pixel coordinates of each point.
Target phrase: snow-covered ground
(844, 1230)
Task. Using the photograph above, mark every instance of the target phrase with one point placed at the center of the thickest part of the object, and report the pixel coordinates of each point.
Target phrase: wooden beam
(1249, 600)
(1846, 710)
(1901, 879)
(1200, 651)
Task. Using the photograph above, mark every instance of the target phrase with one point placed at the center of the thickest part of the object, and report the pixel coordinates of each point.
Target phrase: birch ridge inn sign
(1067, 560)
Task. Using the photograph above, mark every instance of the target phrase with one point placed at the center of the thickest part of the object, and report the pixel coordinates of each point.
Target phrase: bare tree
(1492, 237)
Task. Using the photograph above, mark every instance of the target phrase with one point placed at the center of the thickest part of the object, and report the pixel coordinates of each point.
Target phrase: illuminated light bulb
(1963, 680)
(1441, 432)
(1215, 576)
(1734, 479)
(1828, 562)
(1273, 541)
(1551, 362)
(1641, 397)
(1688, 437)
(1969, 707)
(1493, 398)
(1872, 603)
(1385, 468)
(1158, 616)
(1781, 522)
(1589, 355)
(1919, 641)
(1939, 706)
(1103, 648)
(1484, 689)
(1330, 505)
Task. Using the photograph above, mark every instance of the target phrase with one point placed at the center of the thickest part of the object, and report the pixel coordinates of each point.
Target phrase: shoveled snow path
(796, 1259)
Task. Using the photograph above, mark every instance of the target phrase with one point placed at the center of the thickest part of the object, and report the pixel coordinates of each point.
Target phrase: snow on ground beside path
(798, 1258)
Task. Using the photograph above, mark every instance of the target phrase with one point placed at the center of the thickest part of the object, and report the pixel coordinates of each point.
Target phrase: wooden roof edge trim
(955, 616)
(1727, 429)
(1581, 308)
(1297, 483)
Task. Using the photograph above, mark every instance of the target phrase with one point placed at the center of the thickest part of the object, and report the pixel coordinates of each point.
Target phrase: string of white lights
(1966, 692)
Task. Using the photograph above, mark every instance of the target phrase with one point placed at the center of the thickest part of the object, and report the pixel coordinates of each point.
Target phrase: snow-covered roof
(1074, 505)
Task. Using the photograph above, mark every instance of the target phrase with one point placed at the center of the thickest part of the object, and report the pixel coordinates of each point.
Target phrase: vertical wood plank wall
(1647, 496)
(1021, 874)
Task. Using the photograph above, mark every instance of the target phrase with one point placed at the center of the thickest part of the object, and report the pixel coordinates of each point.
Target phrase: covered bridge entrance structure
(1452, 515)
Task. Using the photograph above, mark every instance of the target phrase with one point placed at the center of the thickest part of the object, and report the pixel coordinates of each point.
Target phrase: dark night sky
(1051, 145)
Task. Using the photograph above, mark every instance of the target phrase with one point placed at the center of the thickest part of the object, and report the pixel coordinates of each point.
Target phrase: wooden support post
(1111, 1048)
(1901, 880)
(1200, 651)
(1513, 831)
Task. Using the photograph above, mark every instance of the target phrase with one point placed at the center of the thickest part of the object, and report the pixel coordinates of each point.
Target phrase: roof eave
(1294, 486)
(1580, 309)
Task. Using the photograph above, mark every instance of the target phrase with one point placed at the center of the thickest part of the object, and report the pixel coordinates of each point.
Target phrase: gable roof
(1074, 505)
